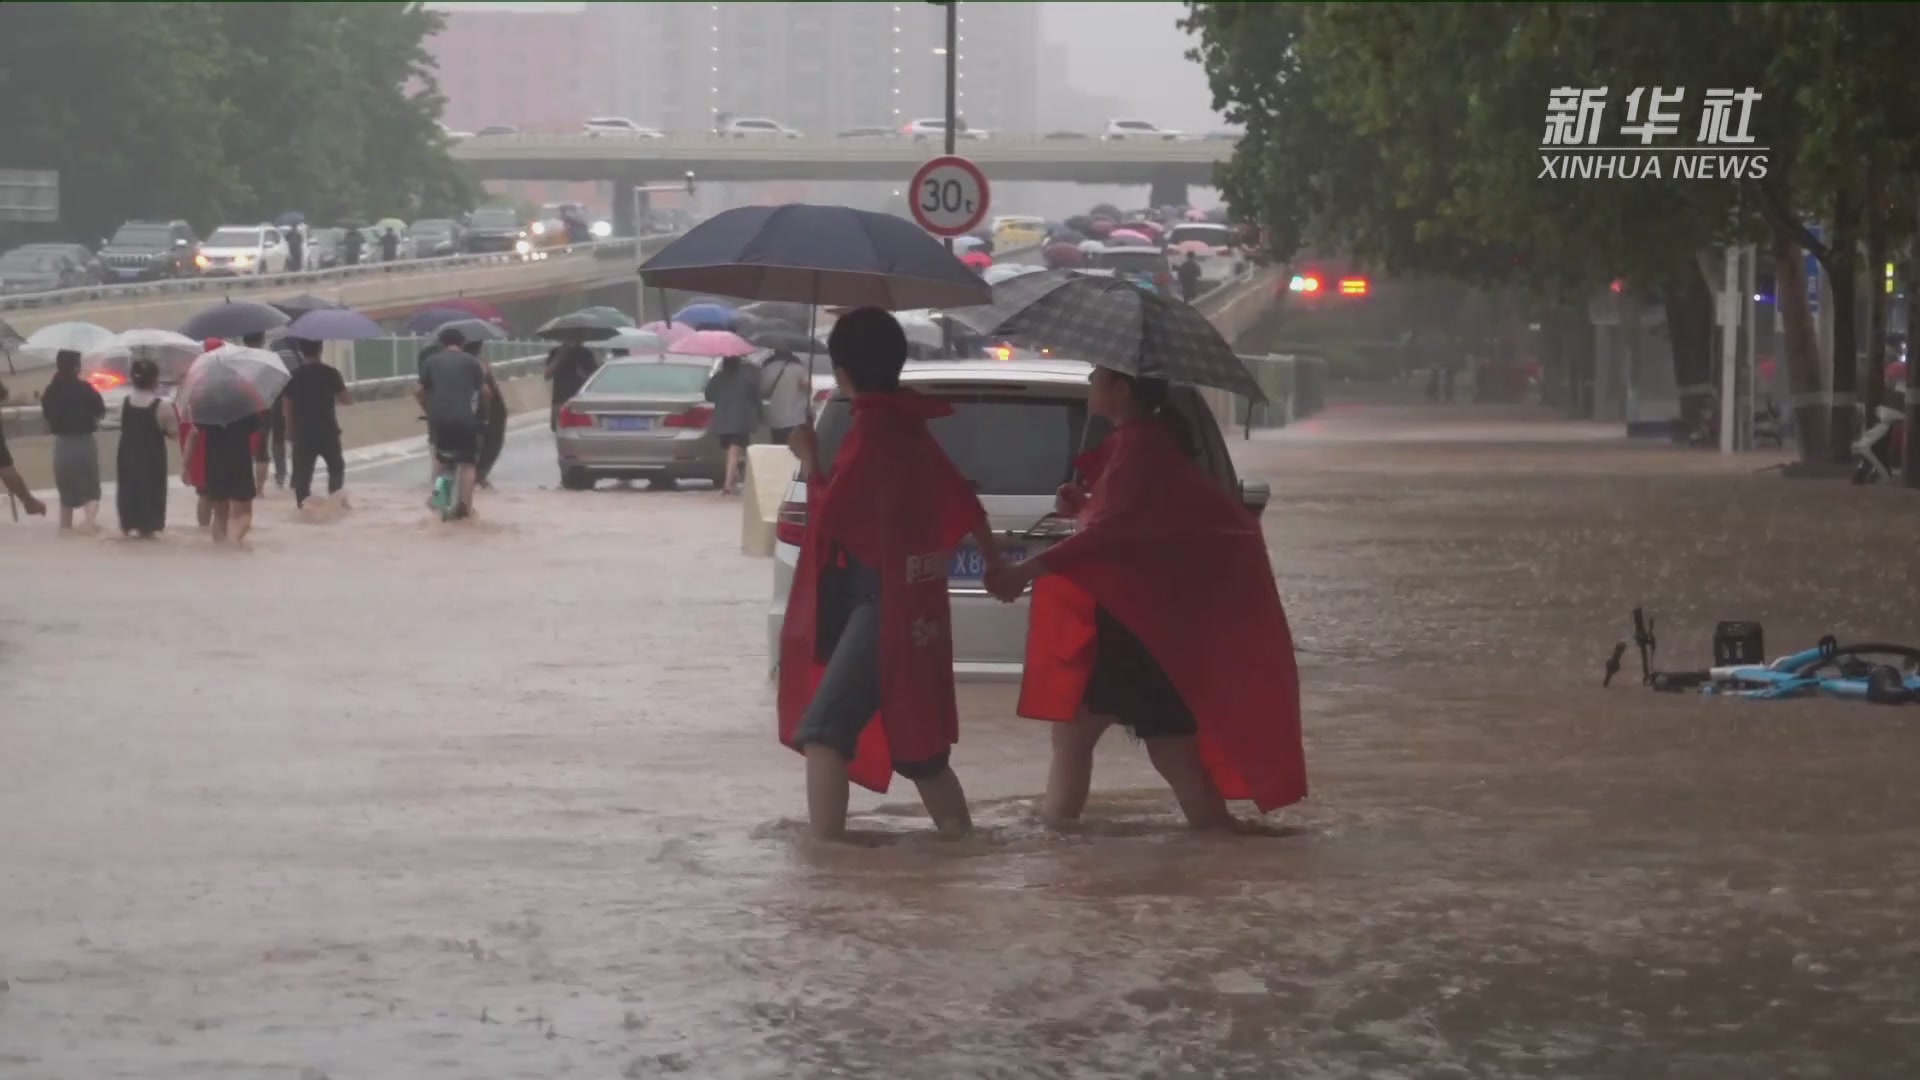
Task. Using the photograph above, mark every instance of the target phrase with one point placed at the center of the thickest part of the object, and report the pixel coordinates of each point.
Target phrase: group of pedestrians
(225, 464)
(1159, 614)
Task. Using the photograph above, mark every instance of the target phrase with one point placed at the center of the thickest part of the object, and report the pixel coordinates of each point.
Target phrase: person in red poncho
(868, 630)
(1159, 614)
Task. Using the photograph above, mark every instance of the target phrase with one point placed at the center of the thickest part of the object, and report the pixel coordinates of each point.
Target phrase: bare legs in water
(1175, 757)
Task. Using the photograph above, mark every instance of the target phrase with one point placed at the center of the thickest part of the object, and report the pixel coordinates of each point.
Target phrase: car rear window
(1006, 444)
(638, 379)
(495, 219)
(1206, 234)
(1134, 262)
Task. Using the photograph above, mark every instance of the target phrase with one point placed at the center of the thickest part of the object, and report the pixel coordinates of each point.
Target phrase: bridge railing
(619, 248)
(995, 148)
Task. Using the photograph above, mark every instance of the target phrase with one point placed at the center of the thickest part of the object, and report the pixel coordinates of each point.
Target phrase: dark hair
(254, 341)
(144, 374)
(67, 361)
(452, 338)
(310, 350)
(868, 344)
(1155, 397)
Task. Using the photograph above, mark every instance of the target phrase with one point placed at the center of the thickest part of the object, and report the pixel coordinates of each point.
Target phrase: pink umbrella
(711, 343)
(1124, 237)
(668, 332)
(1196, 215)
(977, 261)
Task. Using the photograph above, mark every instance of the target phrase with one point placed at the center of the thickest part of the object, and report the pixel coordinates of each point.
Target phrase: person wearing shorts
(452, 392)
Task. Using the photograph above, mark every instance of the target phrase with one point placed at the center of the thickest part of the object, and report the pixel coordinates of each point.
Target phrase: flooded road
(383, 798)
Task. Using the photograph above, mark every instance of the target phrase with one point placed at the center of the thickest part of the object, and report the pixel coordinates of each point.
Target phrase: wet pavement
(386, 798)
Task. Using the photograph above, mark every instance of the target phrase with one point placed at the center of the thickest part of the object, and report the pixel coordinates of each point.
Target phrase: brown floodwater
(384, 798)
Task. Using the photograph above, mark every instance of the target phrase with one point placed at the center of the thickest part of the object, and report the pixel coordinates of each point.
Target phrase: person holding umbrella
(228, 393)
(73, 409)
(569, 365)
(10, 478)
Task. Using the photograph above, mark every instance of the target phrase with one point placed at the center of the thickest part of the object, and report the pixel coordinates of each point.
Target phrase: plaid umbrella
(1113, 324)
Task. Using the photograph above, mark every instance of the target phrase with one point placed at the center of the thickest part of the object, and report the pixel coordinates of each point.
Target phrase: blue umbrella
(432, 319)
(336, 324)
(819, 255)
(707, 316)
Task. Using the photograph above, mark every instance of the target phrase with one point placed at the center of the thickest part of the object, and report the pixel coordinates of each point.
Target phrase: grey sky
(1136, 54)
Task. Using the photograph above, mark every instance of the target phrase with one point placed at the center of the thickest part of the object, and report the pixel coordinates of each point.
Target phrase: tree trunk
(1843, 271)
(1689, 306)
(1801, 350)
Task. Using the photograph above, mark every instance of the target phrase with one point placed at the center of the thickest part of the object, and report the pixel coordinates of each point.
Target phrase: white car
(1016, 428)
(936, 128)
(243, 250)
(753, 127)
(1140, 129)
(1220, 261)
(620, 125)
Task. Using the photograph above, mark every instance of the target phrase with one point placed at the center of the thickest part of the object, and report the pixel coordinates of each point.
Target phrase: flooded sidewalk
(389, 799)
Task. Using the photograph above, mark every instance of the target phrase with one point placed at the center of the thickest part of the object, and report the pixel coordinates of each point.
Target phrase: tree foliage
(226, 112)
(1409, 133)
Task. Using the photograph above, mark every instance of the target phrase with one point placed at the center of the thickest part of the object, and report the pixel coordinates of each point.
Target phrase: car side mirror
(1254, 495)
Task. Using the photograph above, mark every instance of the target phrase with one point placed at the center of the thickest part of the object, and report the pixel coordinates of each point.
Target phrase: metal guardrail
(893, 148)
(599, 249)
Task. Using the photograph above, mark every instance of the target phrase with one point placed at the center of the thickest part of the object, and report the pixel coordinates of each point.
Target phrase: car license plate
(627, 423)
(969, 565)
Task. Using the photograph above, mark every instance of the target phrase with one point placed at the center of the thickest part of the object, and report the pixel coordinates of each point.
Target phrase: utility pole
(953, 123)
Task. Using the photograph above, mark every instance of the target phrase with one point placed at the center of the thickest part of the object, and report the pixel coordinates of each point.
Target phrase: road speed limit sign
(949, 196)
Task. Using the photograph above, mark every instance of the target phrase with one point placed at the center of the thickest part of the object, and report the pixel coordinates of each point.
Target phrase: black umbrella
(290, 219)
(234, 320)
(1113, 324)
(295, 306)
(474, 330)
(579, 326)
(793, 341)
(1079, 223)
(816, 255)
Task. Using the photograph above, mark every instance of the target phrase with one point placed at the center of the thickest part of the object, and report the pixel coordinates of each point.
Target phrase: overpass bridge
(381, 290)
(1169, 166)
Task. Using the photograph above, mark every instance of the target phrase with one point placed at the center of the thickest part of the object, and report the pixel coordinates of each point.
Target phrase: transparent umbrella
(81, 337)
(231, 383)
(114, 364)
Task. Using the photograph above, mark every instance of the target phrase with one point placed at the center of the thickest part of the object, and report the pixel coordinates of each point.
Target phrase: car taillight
(695, 417)
(790, 527)
(571, 419)
(105, 380)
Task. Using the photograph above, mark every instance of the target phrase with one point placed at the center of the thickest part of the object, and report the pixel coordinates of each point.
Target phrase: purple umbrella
(335, 325)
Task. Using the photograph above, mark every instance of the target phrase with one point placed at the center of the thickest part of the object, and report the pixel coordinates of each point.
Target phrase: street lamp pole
(953, 121)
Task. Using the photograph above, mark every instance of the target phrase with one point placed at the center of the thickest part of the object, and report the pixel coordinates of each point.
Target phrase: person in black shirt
(389, 245)
(10, 477)
(313, 427)
(72, 409)
(1189, 278)
(569, 366)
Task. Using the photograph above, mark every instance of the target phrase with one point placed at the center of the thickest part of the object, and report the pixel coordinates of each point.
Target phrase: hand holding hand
(1007, 581)
(1069, 499)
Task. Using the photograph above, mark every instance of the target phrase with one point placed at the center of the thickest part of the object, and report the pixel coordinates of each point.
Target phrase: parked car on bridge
(146, 250)
(92, 271)
(324, 248)
(1016, 428)
(755, 127)
(928, 130)
(244, 251)
(620, 125)
(866, 133)
(44, 268)
(434, 238)
(1119, 130)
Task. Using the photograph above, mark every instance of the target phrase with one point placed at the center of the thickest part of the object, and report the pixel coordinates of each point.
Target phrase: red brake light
(105, 380)
(790, 527)
(571, 419)
(695, 417)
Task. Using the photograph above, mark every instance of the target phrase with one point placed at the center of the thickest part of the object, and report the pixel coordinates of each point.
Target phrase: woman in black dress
(230, 487)
(147, 423)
